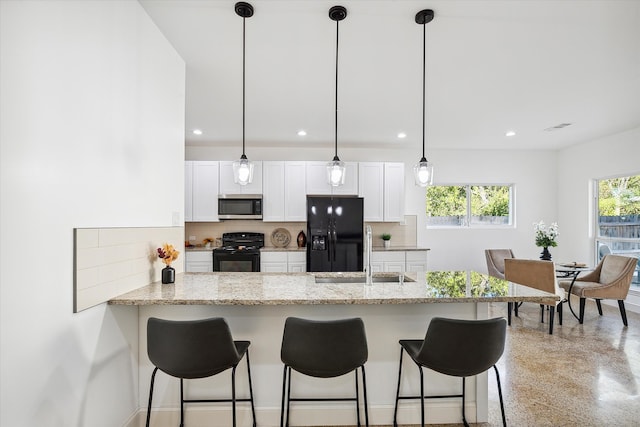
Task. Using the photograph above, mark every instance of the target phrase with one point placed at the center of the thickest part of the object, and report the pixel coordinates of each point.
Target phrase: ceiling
(492, 66)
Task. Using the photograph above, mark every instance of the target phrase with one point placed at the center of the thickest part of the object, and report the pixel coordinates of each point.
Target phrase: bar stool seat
(196, 349)
(460, 348)
(323, 349)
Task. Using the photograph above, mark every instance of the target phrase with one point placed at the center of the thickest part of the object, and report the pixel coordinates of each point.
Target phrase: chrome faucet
(367, 262)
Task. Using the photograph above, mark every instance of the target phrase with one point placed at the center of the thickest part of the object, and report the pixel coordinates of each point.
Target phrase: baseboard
(440, 412)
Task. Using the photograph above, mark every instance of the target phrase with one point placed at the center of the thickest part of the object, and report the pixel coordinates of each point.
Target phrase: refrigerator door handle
(335, 241)
(329, 243)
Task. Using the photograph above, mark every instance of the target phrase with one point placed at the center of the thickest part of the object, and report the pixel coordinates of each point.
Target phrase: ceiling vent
(556, 127)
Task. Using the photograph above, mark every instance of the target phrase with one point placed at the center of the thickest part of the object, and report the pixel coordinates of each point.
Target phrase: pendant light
(335, 168)
(243, 168)
(423, 171)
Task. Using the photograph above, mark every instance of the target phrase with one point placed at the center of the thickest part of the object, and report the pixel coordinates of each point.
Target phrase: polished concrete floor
(582, 375)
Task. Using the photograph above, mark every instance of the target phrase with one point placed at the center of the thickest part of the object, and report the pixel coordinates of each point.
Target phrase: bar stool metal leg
(153, 378)
(395, 411)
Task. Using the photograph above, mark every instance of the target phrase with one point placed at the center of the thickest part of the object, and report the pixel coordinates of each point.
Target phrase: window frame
(599, 239)
(467, 224)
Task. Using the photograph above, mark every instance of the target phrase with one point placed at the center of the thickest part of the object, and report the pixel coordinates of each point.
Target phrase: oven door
(236, 261)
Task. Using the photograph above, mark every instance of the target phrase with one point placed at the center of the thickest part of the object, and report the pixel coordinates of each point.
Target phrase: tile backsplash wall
(111, 261)
(401, 235)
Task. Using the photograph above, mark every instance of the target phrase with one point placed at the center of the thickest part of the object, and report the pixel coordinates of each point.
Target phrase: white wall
(532, 172)
(92, 135)
(579, 165)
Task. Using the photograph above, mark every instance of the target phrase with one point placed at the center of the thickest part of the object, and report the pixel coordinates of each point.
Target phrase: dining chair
(539, 275)
(196, 349)
(610, 279)
(495, 261)
(455, 347)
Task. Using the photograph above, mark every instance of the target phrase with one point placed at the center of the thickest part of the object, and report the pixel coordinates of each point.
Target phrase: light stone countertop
(302, 289)
(292, 248)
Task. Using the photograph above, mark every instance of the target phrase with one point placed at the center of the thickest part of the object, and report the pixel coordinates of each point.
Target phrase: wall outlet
(192, 238)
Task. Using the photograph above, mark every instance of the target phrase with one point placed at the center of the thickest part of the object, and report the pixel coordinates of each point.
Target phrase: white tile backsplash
(112, 261)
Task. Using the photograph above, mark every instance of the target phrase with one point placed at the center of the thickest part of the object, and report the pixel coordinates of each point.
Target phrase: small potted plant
(386, 239)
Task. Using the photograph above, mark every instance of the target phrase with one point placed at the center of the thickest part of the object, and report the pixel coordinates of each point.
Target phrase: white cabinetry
(188, 191)
(317, 179)
(198, 261)
(204, 191)
(284, 197)
(273, 197)
(370, 187)
(273, 262)
(296, 262)
(283, 261)
(382, 187)
(399, 261)
(394, 192)
(388, 261)
(227, 186)
(416, 261)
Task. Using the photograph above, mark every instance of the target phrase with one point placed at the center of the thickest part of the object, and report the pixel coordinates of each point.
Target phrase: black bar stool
(460, 348)
(196, 349)
(323, 349)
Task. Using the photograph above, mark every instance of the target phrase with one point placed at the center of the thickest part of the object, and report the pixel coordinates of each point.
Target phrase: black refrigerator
(334, 233)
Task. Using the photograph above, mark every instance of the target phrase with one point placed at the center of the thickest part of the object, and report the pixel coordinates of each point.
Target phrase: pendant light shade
(423, 170)
(335, 168)
(243, 168)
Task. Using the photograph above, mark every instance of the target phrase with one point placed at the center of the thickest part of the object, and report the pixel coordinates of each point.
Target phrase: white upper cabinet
(317, 179)
(370, 187)
(295, 196)
(284, 197)
(227, 186)
(273, 198)
(205, 191)
(394, 192)
(382, 187)
(188, 191)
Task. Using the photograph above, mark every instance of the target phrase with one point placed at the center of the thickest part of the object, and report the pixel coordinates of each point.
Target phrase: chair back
(192, 348)
(536, 274)
(616, 267)
(324, 349)
(462, 348)
(495, 261)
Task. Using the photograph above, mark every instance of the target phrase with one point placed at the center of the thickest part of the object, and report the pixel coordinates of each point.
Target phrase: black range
(239, 252)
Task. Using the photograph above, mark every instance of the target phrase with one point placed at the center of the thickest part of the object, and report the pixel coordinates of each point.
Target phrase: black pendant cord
(244, 19)
(424, 88)
(336, 115)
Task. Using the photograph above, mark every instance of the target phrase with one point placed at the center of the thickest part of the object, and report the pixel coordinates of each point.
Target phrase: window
(469, 205)
(618, 218)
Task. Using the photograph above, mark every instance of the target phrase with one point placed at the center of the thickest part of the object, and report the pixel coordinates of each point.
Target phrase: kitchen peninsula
(257, 304)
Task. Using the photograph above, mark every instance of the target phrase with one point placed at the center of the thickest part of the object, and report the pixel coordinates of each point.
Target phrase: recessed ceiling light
(302, 133)
(510, 133)
(197, 132)
(402, 135)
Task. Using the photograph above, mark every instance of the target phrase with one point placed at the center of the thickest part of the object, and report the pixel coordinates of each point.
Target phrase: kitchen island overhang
(256, 306)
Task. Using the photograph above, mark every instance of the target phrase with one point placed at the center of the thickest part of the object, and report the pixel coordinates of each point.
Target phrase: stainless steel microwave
(240, 206)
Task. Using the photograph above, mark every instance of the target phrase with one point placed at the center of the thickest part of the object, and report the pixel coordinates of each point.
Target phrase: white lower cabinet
(198, 262)
(388, 261)
(416, 261)
(296, 262)
(398, 261)
(283, 262)
(273, 262)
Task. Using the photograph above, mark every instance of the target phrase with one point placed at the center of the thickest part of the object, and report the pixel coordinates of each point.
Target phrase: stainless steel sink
(376, 279)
